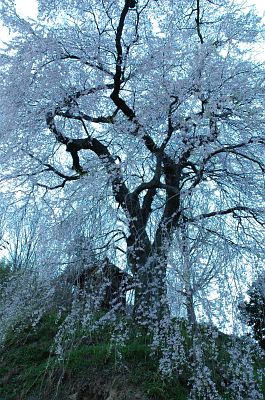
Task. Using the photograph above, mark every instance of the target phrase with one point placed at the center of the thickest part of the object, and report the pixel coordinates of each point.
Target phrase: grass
(25, 358)
(30, 370)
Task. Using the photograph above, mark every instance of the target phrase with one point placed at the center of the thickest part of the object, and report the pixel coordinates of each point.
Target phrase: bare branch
(82, 116)
(198, 22)
(253, 212)
(55, 170)
(91, 64)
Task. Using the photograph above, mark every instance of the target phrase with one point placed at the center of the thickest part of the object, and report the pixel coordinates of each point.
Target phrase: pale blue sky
(29, 7)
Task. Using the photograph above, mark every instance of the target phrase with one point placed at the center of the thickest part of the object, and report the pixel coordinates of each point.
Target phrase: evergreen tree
(253, 310)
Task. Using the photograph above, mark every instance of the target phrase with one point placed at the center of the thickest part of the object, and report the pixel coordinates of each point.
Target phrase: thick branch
(82, 116)
(115, 95)
(73, 146)
(147, 203)
(60, 137)
(198, 21)
(119, 102)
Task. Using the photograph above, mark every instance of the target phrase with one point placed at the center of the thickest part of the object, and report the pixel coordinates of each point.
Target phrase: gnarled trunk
(149, 267)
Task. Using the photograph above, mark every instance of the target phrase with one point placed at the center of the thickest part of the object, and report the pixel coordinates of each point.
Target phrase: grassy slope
(92, 369)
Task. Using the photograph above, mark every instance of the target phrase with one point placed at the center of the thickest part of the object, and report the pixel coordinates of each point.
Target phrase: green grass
(25, 359)
(30, 370)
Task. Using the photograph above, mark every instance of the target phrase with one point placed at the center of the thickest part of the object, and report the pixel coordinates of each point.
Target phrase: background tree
(5, 270)
(253, 309)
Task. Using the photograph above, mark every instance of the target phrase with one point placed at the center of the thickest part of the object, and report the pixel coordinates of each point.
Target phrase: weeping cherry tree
(157, 104)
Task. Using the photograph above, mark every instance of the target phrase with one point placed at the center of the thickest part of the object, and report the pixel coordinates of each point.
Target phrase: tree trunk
(187, 276)
(149, 269)
(190, 308)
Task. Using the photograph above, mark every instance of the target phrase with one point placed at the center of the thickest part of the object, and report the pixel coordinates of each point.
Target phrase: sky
(28, 8)
(260, 4)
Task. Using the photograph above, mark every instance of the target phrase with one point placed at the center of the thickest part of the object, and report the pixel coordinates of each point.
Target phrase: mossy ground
(92, 367)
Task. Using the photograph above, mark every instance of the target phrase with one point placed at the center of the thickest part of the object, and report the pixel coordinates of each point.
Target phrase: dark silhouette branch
(232, 210)
(50, 167)
(91, 64)
(82, 116)
(198, 22)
